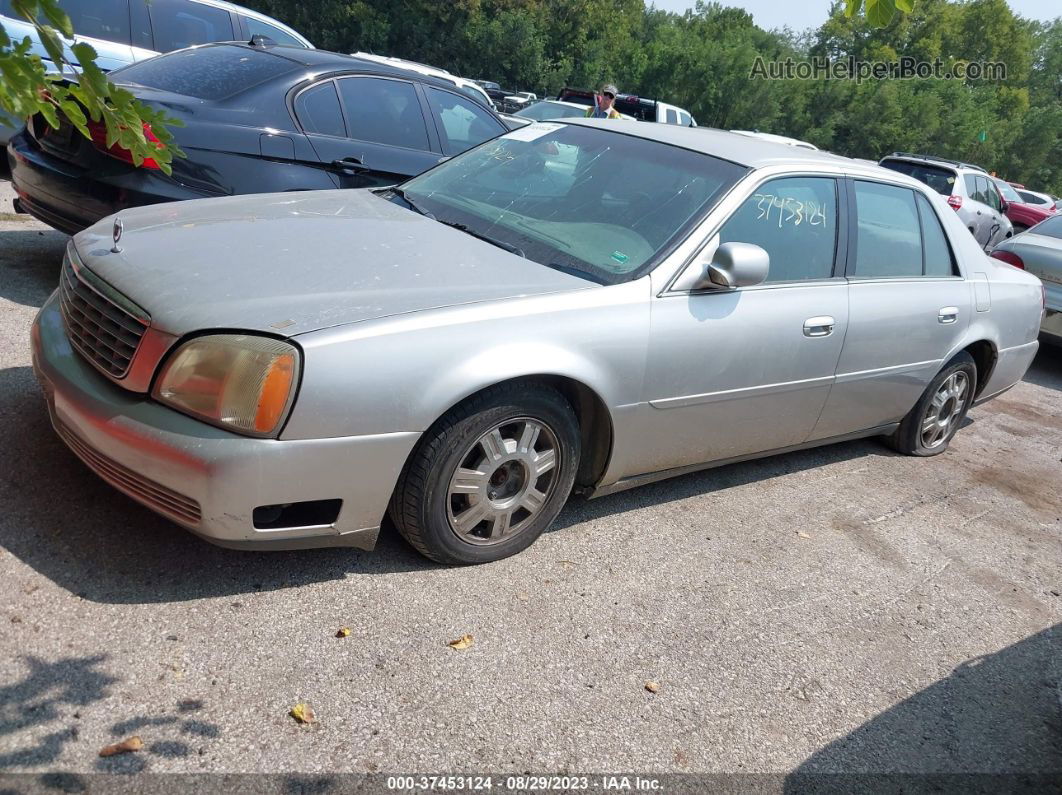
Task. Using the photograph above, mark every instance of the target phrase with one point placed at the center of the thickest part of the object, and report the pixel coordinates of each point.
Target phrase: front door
(909, 307)
(744, 371)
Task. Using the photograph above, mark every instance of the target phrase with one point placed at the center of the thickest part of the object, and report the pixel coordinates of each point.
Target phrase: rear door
(908, 307)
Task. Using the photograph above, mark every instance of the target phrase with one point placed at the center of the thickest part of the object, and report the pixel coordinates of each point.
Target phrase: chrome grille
(152, 494)
(101, 331)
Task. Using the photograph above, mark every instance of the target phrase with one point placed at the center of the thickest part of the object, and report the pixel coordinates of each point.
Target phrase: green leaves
(879, 12)
(70, 85)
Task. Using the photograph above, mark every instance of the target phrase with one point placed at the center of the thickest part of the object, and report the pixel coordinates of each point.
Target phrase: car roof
(932, 160)
(250, 12)
(753, 152)
(322, 61)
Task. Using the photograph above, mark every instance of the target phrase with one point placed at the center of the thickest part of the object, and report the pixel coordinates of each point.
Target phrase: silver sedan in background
(1038, 250)
(579, 306)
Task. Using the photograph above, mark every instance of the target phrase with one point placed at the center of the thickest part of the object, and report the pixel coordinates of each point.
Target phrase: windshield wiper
(492, 240)
(412, 205)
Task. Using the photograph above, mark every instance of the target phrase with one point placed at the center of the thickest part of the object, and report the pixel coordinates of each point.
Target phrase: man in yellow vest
(603, 109)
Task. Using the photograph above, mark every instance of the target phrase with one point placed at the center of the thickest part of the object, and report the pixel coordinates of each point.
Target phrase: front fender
(402, 373)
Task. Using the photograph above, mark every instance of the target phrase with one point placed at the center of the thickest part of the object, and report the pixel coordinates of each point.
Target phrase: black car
(258, 118)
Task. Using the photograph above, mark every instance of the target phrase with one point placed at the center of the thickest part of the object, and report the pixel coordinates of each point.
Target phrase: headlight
(241, 382)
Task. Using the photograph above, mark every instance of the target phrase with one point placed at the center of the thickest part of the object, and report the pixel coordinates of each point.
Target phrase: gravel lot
(843, 609)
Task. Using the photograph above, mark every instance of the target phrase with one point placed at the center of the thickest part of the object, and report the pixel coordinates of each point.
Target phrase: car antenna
(258, 40)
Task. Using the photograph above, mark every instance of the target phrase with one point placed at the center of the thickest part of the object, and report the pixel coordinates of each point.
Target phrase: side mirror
(1003, 205)
(732, 265)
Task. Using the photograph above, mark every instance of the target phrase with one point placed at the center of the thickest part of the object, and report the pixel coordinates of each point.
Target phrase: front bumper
(204, 478)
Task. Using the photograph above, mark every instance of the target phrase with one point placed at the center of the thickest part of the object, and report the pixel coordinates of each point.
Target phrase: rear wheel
(929, 427)
(490, 476)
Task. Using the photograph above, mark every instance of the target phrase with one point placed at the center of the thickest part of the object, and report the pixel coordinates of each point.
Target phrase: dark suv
(258, 119)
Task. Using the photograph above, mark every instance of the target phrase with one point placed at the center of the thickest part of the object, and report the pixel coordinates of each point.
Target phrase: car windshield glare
(550, 110)
(601, 204)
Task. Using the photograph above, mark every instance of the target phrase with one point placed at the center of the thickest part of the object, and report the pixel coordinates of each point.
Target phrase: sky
(800, 14)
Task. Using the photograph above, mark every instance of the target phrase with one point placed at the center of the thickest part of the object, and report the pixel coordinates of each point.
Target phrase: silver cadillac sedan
(580, 306)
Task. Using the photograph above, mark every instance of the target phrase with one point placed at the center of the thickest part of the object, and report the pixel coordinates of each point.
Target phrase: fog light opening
(283, 516)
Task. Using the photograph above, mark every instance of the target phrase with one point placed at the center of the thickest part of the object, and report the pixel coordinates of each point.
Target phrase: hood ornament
(116, 233)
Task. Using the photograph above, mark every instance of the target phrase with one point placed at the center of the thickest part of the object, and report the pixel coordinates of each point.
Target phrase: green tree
(83, 94)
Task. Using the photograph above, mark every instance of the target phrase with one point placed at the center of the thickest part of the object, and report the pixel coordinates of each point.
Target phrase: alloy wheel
(503, 481)
(945, 410)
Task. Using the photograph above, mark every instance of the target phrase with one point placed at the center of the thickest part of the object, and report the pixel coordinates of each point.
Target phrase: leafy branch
(96, 107)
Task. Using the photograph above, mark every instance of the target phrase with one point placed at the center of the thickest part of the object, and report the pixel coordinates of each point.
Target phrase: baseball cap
(608, 88)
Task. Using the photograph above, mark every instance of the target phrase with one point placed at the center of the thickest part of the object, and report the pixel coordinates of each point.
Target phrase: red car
(1021, 215)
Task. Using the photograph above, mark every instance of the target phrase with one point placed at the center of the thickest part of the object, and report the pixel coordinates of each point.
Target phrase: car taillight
(955, 202)
(1008, 257)
(98, 130)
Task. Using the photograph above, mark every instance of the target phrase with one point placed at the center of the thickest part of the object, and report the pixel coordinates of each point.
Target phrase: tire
(929, 427)
(437, 509)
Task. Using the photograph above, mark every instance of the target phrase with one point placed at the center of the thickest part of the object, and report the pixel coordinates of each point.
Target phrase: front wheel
(929, 427)
(489, 477)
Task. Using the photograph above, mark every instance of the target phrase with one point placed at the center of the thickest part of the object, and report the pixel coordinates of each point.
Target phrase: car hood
(296, 262)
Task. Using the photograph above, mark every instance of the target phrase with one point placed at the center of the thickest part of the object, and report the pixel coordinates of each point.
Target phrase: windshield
(586, 200)
(1051, 227)
(1008, 192)
(550, 110)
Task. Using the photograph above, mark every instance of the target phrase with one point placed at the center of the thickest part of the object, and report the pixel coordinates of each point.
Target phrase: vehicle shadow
(717, 479)
(1046, 369)
(996, 714)
(40, 716)
(30, 260)
(86, 537)
(83, 535)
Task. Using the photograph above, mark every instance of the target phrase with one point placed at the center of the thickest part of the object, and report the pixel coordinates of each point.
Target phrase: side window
(383, 111)
(672, 116)
(100, 19)
(463, 124)
(889, 239)
(319, 112)
(255, 27)
(988, 190)
(938, 258)
(971, 187)
(179, 25)
(684, 119)
(141, 25)
(795, 220)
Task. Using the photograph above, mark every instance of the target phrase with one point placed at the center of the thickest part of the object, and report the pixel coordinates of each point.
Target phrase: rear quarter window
(211, 73)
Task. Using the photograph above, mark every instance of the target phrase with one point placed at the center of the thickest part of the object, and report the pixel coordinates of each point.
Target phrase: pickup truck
(640, 108)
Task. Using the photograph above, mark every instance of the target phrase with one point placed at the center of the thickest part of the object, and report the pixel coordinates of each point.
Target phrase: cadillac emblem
(116, 233)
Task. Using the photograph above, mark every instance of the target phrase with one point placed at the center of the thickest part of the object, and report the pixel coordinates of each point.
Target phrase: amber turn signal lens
(274, 396)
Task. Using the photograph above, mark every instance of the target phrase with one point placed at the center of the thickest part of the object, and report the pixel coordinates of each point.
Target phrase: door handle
(948, 314)
(349, 165)
(821, 326)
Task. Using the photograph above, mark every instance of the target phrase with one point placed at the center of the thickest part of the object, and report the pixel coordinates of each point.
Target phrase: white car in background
(549, 109)
(464, 85)
(1035, 198)
(778, 139)
(126, 31)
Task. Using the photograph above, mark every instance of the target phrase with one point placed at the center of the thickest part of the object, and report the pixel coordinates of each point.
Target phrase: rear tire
(929, 427)
(488, 478)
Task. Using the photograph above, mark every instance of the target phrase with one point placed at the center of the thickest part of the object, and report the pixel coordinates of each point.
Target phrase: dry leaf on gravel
(652, 687)
(802, 534)
(342, 633)
(461, 643)
(124, 747)
(303, 713)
